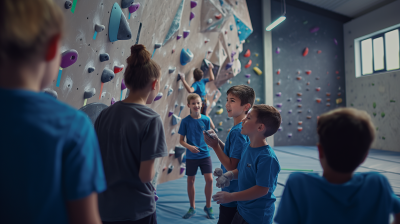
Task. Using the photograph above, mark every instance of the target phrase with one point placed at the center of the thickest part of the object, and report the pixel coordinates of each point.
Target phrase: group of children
(56, 168)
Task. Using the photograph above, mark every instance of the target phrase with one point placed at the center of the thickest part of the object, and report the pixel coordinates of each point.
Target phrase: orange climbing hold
(219, 16)
(308, 72)
(248, 64)
(299, 94)
(328, 94)
(298, 78)
(318, 100)
(300, 122)
(278, 83)
(305, 52)
(247, 54)
(299, 129)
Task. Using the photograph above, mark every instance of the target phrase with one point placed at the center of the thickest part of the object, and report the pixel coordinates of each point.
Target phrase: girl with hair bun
(131, 137)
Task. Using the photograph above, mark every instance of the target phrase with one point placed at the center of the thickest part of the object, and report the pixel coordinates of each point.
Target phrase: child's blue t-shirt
(233, 148)
(258, 166)
(200, 87)
(48, 154)
(310, 198)
(193, 130)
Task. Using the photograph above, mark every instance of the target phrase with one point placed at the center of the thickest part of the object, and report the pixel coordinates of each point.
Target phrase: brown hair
(268, 116)
(345, 134)
(198, 74)
(245, 93)
(141, 69)
(27, 28)
(192, 96)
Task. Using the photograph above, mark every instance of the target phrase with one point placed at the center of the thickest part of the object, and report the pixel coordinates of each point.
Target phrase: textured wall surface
(295, 92)
(153, 19)
(378, 94)
(254, 43)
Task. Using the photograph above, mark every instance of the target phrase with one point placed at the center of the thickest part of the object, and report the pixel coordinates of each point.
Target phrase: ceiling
(350, 8)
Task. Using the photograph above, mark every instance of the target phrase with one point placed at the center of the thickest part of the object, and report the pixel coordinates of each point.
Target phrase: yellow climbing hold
(220, 123)
(338, 100)
(220, 111)
(256, 54)
(256, 64)
(257, 70)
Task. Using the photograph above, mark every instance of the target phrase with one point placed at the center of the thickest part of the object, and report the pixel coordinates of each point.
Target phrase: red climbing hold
(318, 89)
(318, 100)
(247, 54)
(305, 52)
(219, 16)
(328, 99)
(209, 52)
(337, 72)
(206, 41)
(278, 72)
(173, 50)
(118, 68)
(226, 32)
(319, 52)
(298, 78)
(328, 94)
(300, 122)
(299, 94)
(308, 72)
(338, 77)
(248, 64)
(299, 129)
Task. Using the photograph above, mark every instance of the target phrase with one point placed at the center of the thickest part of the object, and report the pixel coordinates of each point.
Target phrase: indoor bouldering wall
(308, 66)
(97, 42)
(252, 56)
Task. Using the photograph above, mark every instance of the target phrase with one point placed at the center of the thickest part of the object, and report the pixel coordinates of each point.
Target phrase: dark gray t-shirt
(128, 134)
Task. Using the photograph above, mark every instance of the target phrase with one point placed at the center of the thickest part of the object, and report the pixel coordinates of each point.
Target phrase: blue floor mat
(174, 202)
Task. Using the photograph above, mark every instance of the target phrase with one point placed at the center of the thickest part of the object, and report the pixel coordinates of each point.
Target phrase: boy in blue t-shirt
(239, 100)
(340, 195)
(197, 153)
(257, 170)
(199, 87)
(50, 163)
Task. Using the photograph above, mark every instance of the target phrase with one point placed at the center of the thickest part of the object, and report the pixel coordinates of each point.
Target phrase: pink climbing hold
(132, 8)
(186, 33)
(191, 16)
(319, 52)
(335, 41)
(314, 29)
(178, 37)
(247, 54)
(278, 50)
(193, 4)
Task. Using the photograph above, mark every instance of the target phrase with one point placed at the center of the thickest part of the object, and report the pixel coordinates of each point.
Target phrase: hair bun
(139, 55)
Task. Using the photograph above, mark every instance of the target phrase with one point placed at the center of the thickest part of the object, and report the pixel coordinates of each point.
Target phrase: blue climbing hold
(118, 28)
(186, 56)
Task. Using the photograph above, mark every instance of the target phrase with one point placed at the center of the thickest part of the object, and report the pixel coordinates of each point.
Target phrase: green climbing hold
(352, 105)
(248, 41)
(377, 128)
(372, 84)
(383, 114)
(374, 105)
(374, 114)
(383, 138)
(305, 22)
(220, 129)
(392, 101)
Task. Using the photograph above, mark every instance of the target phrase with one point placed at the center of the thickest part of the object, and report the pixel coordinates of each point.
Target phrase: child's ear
(52, 48)
(247, 107)
(153, 85)
(320, 151)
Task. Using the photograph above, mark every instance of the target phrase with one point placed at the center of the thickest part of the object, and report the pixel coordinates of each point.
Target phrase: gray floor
(174, 203)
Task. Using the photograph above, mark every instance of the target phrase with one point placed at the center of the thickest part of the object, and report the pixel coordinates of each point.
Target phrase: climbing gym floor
(174, 202)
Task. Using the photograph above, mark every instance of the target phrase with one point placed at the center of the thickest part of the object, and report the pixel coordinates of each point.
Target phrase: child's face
(233, 106)
(195, 105)
(249, 125)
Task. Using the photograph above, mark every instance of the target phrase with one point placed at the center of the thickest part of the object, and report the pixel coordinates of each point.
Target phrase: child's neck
(238, 119)
(195, 115)
(257, 141)
(334, 177)
(137, 97)
(28, 77)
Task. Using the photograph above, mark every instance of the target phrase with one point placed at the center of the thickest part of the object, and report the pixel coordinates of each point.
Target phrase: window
(378, 52)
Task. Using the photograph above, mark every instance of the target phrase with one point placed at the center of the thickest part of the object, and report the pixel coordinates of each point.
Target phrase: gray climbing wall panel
(153, 18)
(321, 90)
(254, 43)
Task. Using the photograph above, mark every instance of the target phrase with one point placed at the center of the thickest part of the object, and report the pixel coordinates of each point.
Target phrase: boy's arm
(84, 211)
(211, 73)
(146, 171)
(228, 162)
(250, 194)
(191, 148)
(186, 85)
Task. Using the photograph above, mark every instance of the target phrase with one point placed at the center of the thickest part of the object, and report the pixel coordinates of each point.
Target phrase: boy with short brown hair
(257, 171)
(50, 163)
(340, 195)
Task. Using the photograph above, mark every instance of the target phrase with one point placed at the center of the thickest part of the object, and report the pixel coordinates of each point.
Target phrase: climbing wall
(252, 56)
(308, 66)
(179, 34)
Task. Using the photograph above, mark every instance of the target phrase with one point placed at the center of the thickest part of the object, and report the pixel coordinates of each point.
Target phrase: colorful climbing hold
(191, 16)
(278, 71)
(247, 54)
(299, 105)
(298, 99)
(97, 29)
(374, 105)
(382, 115)
(186, 56)
(374, 114)
(278, 50)
(392, 101)
(339, 93)
(104, 57)
(328, 94)
(186, 33)
(248, 81)
(338, 100)
(68, 58)
(308, 83)
(118, 27)
(278, 94)
(257, 70)
(258, 99)
(88, 94)
(318, 89)
(134, 7)
(279, 105)
(299, 94)
(290, 111)
(298, 78)
(220, 123)
(112, 101)
(255, 54)
(328, 99)
(308, 117)
(229, 65)
(159, 96)
(178, 37)
(220, 111)
(335, 41)
(305, 52)
(328, 104)
(193, 4)
(308, 72)
(247, 75)
(279, 82)
(319, 52)
(206, 41)
(290, 135)
(218, 16)
(318, 100)
(299, 129)
(314, 29)
(118, 68)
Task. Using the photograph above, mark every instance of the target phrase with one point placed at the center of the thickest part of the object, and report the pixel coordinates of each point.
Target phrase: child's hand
(222, 197)
(218, 172)
(193, 149)
(182, 76)
(213, 143)
(210, 65)
(225, 179)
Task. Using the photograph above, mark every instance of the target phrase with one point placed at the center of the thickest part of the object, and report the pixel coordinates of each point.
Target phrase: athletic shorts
(204, 164)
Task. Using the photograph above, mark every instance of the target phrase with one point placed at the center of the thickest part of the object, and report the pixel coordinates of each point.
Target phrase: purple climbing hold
(132, 8)
(290, 111)
(181, 171)
(186, 33)
(170, 113)
(193, 4)
(123, 86)
(68, 58)
(278, 50)
(159, 96)
(298, 99)
(155, 196)
(289, 135)
(112, 101)
(280, 129)
(229, 65)
(247, 75)
(335, 41)
(314, 29)
(278, 94)
(191, 15)
(233, 54)
(178, 37)
(279, 104)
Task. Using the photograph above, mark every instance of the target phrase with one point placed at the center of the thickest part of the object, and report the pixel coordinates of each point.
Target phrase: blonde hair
(192, 96)
(27, 27)
(141, 69)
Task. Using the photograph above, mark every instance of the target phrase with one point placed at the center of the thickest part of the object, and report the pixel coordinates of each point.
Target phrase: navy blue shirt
(233, 148)
(311, 199)
(258, 166)
(193, 130)
(48, 154)
(200, 87)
